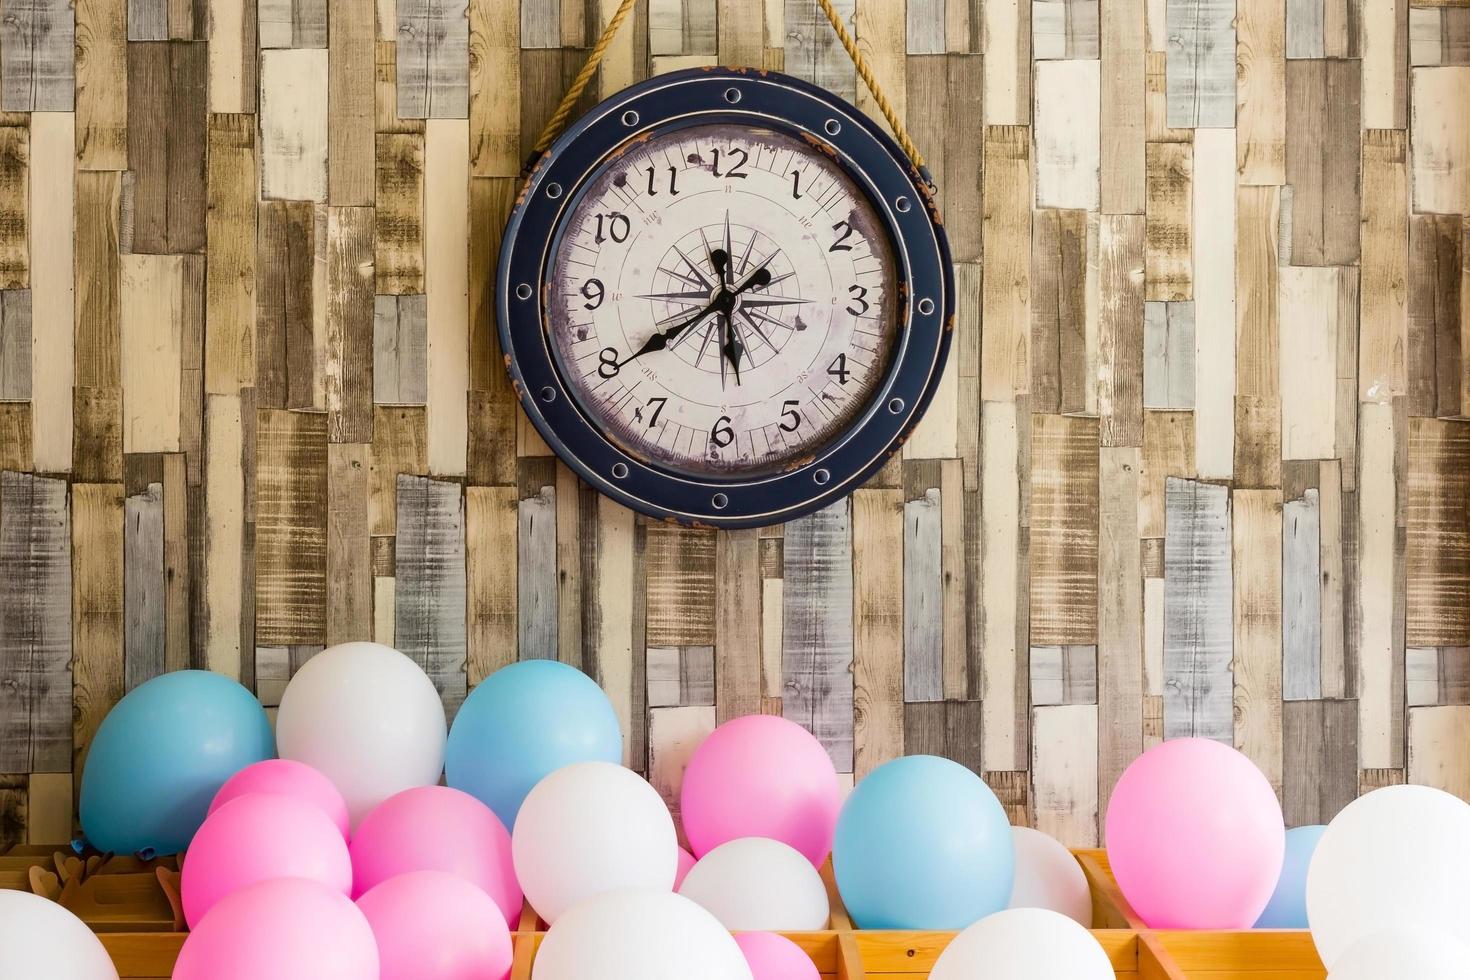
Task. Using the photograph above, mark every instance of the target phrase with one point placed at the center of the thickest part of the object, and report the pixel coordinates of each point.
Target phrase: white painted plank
(446, 281)
(1308, 319)
(1441, 140)
(1301, 603)
(293, 124)
(1064, 773)
(1380, 710)
(1067, 134)
(53, 308)
(152, 314)
(1214, 302)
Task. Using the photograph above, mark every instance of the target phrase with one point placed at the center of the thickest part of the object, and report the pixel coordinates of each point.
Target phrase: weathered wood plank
(35, 625)
(291, 528)
(1320, 760)
(536, 560)
(293, 124)
(1006, 28)
(1060, 379)
(1120, 663)
(923, 583)
(1198, 683)
(1201, 67)
(1063, 675)
(879, 613)
(1064, 530)
(153, 302)
(1214, 301)
(16, 452)
(349, 604)
(1323, 133)
(1441, 142)
(1437, 551)
(96, 639)
(1309, 323)
(52, 151)
(38, 57)
(15, 345)
(101, 85)
(1384, 33)
(681, 586)
(491, 527)
(292, 23)
(1005, 296)
(1067, 134)
(231, 29)
(1002, 585)
(166, 132)
(737, 682)
(446, 282)
(400, 445)
(433, 58)
(1064, 777)
(1379, 601)
(1168, 355)
(98, 358)
(1123, 110)
(1168, 273)
(143, 586)
(229, 347)
(1120, 330)
(812, 50)
(400, 213)
(673, 735)
(1301, 601)
(347, 350)
(429, 599)
(1304, 29)
(177, 573)
(400, 350)
(1168, 450)
(495, 90)
(14, 207)
(1257, 666)
(351, 94)
(1059, 28)
(286, 306)
(1435, 353)
(1385, 256)
(1436, 738)
(817, 629)
(1260, 115)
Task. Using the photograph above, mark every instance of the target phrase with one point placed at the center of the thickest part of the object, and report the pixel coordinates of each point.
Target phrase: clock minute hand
(662, 338)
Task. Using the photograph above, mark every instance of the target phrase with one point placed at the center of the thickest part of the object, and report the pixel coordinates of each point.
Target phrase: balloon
(1288, 906)
(289, 778)
(686, 861)
(761, 776)
(1397, 856)
(435, 828)
(285, 929)
(588, 828)
(1049, 877)
(1023, 944)
(922, 843)
(774, 957)
(1404, 952)
(758, 884)
(432, 925)
(162, 753)
(368, 718)
(1195, 836)
(39, 938)
(638, 934)
(257, 837)
(522, 722)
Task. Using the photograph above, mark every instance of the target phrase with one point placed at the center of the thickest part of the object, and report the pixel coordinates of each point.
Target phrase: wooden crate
(1264, 954)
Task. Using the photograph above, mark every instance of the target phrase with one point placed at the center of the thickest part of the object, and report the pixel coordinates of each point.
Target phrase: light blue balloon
(922, 843)
(162, 753)
(521, 723)
(1288, 906)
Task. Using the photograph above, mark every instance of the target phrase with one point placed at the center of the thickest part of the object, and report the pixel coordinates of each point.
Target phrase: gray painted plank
(38, 56)
(1199, 75)
(434, 58)
(697, 675)
(1198, 630)
(35, 624)
(923, 599)
(1063, 29)
(1454, 675)
(15, 345)
(1304, 29)
(272, 672)
(429, 603)
(813, 52)
(1168, 355)
(816, 628)
(143, 586)
(536, 571)
(540, 24)
(1063, 675)
(1301, 601)
(925, 27)
(148, 20)
(401, 350)
(1319, 760)
(1421, 676)
(292, 23)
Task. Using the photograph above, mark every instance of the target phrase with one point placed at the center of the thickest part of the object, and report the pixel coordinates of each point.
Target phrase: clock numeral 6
(838, 369)
(607, 363)
(722, 435)
(858, 292)
(617, 227)
(788, 411)
(593, 292)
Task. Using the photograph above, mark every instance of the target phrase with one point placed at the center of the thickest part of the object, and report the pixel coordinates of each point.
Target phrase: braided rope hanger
(558, 120)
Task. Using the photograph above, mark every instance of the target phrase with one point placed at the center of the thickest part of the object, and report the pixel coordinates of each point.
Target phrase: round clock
(724, 297)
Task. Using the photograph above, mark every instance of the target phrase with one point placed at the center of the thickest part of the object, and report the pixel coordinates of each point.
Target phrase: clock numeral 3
(607, 363)
(722, 435)
(736, 169)
(673, 181)
(839, 246)
(788, 411)
(593, 292)
(838, 369)
(617, 227)
(858, 292)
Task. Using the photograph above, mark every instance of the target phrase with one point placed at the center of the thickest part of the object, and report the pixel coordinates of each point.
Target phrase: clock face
(721, 300)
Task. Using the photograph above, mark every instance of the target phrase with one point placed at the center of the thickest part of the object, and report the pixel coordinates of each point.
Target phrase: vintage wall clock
(725, 297)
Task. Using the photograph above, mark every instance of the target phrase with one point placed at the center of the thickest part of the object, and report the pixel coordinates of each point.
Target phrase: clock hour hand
(663, 338)
(731, 347)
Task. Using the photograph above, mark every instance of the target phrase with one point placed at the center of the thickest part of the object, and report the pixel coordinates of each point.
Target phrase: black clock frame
(769, 100)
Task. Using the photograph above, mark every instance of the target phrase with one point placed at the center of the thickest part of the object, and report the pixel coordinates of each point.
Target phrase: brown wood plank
(1320, 752)
(878, 614)
(1064, 530)
(97, 612)
(291, 528)
(429, 599)
(351, 95)
(349, 605)
(166, 132)
(14, 207)
(1120, 329)
(1168, 269)
(285, 306)
(229, 362)
(681, 586)
(1437, 551)
(1323, 113)
(348, 355)
(400, 213)
(400, 445)
(737, 680)
(1256, 589)
(1060, 381)
(490, 548)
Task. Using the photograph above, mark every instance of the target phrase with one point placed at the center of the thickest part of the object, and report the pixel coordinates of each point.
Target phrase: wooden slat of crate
(1265, 954)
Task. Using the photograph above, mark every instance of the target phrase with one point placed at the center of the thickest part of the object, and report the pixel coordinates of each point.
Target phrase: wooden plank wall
(1200, 465)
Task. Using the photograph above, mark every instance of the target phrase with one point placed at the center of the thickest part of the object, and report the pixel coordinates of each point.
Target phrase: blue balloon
(162, 753)
(1288, 906)
(521, 723)
(922, 843)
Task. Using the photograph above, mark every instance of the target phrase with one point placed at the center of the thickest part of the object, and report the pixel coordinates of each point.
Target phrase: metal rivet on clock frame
(630, 118)
(720, 501)
(822, 476)
(833, 127)
(926, 306)
(902, 204)
(553, 190)
(895, 405)
(732, 95)
(620, 470)
(548, 394)
(523, 291)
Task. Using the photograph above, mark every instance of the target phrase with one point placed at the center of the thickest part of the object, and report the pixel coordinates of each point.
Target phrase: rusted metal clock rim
(737, 97)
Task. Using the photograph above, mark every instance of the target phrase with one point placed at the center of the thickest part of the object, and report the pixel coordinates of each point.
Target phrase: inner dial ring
(719, 300)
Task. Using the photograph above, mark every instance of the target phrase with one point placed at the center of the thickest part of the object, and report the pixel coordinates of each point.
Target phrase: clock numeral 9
(722, 435)
(858, 292)
(607, 363)
(838, 369)
(617, 227)
(788, 411)
(736, 169)
(593, 292)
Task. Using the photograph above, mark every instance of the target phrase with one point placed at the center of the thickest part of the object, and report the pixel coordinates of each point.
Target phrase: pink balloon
(285, 929)
(761, 776)
(774, 957)
(289, 778)
(435, 828)
(432, 925)
(257, 837)
(686, 861)
(1195, 836)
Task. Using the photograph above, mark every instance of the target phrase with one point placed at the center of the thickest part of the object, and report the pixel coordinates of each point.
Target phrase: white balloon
(1404, 952)
(368, 718)
(1049, 877)
(638, 934)
(39, 938)
(753, 884)
(1399, 855)
(588, 828)
(1023, 944)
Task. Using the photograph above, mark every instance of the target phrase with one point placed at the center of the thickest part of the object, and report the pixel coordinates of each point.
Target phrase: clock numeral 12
(736, 169)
